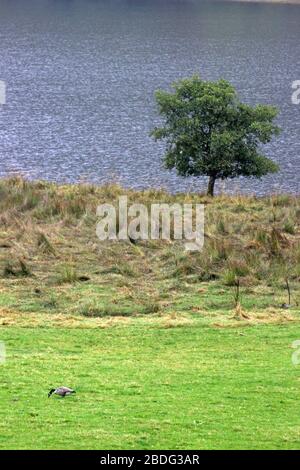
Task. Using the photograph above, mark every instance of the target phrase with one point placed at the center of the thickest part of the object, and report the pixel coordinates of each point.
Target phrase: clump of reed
(67, 274)
(16, 269)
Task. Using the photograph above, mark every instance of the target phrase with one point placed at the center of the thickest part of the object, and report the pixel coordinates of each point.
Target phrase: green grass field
(148, 387)
(162, 352)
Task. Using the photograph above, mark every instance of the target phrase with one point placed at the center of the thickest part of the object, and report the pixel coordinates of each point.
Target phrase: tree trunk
(211, 186)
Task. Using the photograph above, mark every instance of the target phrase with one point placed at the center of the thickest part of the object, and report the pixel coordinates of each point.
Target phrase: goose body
(61, 391)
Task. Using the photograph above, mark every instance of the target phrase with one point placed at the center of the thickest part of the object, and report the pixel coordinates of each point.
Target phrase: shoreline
(201, 191)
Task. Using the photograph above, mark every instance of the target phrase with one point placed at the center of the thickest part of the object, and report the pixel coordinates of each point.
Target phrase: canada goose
(61, 391)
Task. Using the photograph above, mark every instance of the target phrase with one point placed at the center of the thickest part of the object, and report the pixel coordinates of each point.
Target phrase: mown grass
(161, 349)
(142, 387)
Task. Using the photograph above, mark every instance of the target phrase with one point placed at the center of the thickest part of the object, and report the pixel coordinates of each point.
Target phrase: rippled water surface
(81, 75)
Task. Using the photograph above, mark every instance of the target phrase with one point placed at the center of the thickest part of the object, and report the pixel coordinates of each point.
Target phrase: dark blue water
(81, 75)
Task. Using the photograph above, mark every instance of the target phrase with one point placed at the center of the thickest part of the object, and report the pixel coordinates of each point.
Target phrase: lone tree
(209, 131)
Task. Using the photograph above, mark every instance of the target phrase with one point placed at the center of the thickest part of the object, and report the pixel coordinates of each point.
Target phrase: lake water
(81, 74)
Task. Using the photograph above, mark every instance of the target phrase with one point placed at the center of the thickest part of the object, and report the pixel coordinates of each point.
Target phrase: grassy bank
(161, 352)
(54, 270)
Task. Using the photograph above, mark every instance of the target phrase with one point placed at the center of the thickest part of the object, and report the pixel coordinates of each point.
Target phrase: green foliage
(209, 131)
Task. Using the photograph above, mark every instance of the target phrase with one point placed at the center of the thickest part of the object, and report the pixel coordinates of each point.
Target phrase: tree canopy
(209, 131)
